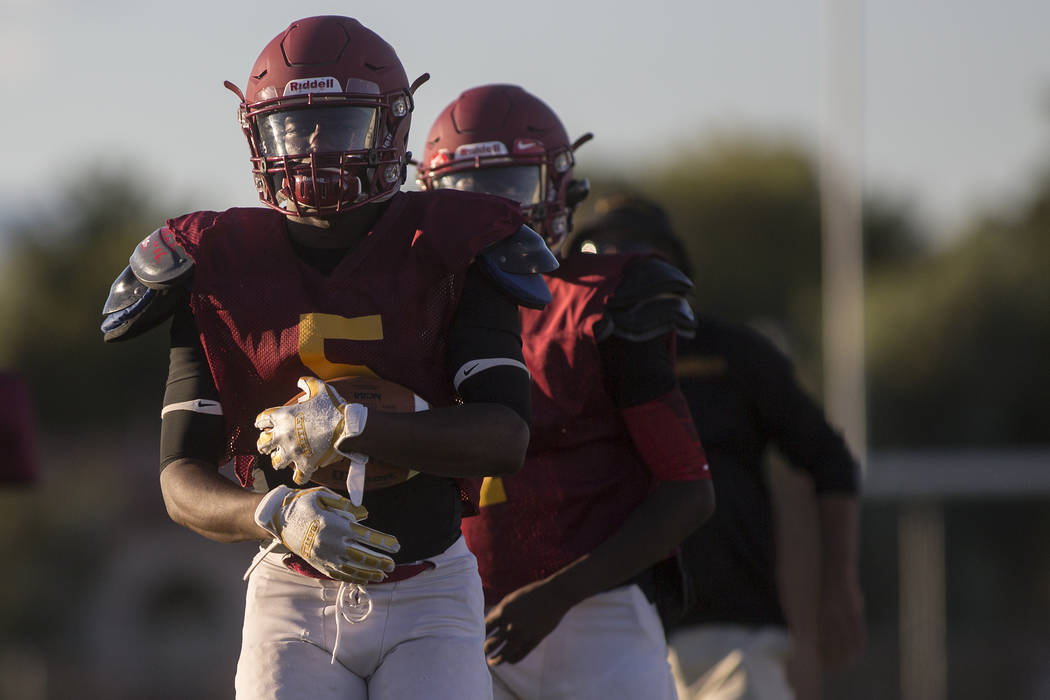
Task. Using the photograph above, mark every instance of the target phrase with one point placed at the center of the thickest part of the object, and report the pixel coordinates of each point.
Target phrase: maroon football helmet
(326, 115)
(500, 139)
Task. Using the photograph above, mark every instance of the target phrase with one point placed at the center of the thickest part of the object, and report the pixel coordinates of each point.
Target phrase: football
(380, 395)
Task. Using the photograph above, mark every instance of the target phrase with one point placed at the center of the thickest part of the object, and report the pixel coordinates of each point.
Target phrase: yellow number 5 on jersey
(316, 328)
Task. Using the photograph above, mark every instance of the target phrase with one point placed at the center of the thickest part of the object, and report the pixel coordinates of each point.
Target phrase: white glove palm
(324, 529)
(304, 433)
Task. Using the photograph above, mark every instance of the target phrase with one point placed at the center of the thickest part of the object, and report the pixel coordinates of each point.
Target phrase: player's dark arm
(842, 626)
(812, 441)
(818, 579)
(200, 499)
(797, 573)
(477, 439)
(196, 495)
(487, 434)
(670, 513)
(801, 431)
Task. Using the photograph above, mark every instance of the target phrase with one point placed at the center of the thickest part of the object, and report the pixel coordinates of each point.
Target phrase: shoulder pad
(649, 277)
(650, 302)
(159, 261)
(515, 265)
(146, 293)
(648, 319)
(133, 308)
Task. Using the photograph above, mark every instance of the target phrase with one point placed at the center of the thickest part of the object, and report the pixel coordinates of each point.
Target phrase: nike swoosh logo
(207, 406)
(472, 368)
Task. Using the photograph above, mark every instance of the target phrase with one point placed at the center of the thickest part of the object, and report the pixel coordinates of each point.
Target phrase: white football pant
(731, 662)
(609, 646)
(423, 637)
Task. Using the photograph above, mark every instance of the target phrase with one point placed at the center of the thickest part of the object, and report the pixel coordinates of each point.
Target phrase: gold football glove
(325, 529)
(303, 433)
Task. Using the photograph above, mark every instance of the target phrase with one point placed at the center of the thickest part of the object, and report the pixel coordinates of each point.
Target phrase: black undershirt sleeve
(487, 325)
(795, 421)
(188, 434)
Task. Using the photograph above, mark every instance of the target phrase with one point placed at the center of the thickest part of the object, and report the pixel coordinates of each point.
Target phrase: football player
(341, 274)
(18, 434)
(758, 629)
(615, 475)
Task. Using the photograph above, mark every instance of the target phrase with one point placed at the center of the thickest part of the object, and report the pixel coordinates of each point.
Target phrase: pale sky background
(955, 94)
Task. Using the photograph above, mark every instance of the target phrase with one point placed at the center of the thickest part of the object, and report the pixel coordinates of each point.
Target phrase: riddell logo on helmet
(301, 87)
(483, 148)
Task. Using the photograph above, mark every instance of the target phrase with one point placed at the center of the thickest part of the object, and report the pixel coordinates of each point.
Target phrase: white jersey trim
(473, 367)
(213, 408)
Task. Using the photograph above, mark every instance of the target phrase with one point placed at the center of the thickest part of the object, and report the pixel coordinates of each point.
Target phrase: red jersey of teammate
(363, 318)
(582, 476)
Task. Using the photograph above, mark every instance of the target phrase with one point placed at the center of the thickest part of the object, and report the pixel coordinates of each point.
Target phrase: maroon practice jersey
(582, 476)
(266, 318)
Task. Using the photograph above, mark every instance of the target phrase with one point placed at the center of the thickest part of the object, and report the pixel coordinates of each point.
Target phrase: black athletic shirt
(744, 396)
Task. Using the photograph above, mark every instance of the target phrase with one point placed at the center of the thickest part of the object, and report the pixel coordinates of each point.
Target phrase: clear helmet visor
(297, 132)
(521, 183)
